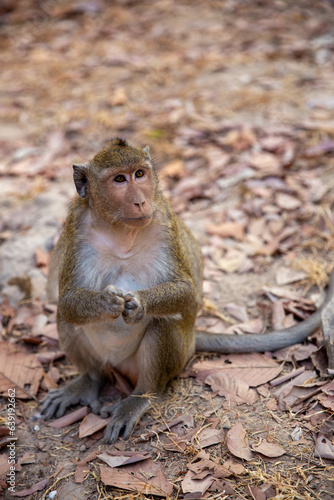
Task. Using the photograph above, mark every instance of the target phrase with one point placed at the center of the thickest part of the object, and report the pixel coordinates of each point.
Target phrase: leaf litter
(251, 177)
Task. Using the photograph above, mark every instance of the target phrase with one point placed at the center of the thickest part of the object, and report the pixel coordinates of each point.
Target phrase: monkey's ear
(147, 151)
(81, 179)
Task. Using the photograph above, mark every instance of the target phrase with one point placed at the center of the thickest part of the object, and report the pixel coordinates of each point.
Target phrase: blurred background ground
(235, 99)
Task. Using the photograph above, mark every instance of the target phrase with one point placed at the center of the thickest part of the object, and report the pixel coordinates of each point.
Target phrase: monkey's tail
(271, 341)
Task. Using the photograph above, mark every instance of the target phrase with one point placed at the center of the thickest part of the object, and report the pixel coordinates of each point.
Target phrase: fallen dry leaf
(50, 331)
(30, 491)
(173, 169)
(324, 448)
(19, 370)
(196, 487)
(267, 163)
(82, 467)
(226, 230)
(287, 202)
(254, 325)
(237, 443)
(91, 424)
(234, 467)
(254, 369)
(283, 392)
(4, 465)
(146, 477)
(208, 437)
(70, 418)
(206, 465)
(235, 390)
(270, 450)
(118, 458)
(286, 275)
(297, 352)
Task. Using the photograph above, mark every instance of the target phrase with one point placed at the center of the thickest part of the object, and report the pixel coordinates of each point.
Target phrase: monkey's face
(119, 184)
(128, 194)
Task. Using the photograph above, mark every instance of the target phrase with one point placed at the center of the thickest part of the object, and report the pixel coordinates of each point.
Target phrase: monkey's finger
(132, 304)
(107, 410)
(112, 432)
(50, 407)
(129, 296)
(114, 291)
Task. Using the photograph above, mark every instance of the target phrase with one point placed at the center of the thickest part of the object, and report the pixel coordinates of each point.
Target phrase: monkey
(128, 274)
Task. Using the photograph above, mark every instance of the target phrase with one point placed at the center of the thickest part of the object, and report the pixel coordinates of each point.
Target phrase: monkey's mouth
(138, 221)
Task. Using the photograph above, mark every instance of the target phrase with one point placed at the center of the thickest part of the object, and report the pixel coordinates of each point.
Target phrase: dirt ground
(236, 101)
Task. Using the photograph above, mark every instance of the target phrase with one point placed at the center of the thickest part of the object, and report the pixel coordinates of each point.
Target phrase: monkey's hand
(134, 309)
(112, 301)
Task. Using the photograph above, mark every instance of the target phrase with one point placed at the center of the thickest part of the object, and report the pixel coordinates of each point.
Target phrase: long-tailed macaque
(129, 274)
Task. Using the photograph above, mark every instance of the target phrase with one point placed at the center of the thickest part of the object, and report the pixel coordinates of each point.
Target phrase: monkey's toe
(54, 404)
(125, 416)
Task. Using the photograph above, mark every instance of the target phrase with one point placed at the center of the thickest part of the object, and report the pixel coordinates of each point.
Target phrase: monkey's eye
(139, 173)
(120, 178)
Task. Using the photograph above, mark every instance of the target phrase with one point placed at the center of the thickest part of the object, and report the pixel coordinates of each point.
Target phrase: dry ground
(235, 99)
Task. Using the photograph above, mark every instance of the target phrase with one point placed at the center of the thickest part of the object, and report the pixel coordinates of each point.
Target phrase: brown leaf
(297, 352)
(286, 275)
(49, 356)
(173, 169)
(235, 468)
(324, 448)
(237, 442)
(70, 418)
(29, 491)
(278, 315)
(50, 331)
(254, 369)
(234, 260)
(205, 464)
(236, 391)
(146, 477)
(270, 450)
(283, 392)
(19, 370)
(118, 459)
(42, 258)
(267, 163)
(238, 312)
(287, 202)
(255, 492)
(91, 424)
(208, 437)
(51, 379)
(4, 465)
(195, 486)
(327, 401)
(82, 468)
(234, 230)
(254, 325)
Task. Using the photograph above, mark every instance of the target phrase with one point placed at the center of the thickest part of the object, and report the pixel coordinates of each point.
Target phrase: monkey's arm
(172, 297)
(79, 305)
(271, 341)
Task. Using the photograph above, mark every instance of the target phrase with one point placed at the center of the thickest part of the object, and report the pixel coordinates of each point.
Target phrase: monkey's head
(119, 184)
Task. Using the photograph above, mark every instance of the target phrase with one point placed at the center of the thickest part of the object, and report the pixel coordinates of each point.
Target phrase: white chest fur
(128, 263)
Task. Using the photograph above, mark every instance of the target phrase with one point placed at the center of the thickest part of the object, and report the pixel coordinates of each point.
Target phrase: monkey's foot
(82, 390)
(124, 417)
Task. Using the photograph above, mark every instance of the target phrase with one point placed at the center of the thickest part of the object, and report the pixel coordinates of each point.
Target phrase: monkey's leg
(164, 351)
(84, 390)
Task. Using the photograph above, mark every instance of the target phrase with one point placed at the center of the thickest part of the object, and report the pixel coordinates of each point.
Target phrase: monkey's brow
(119, 169)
